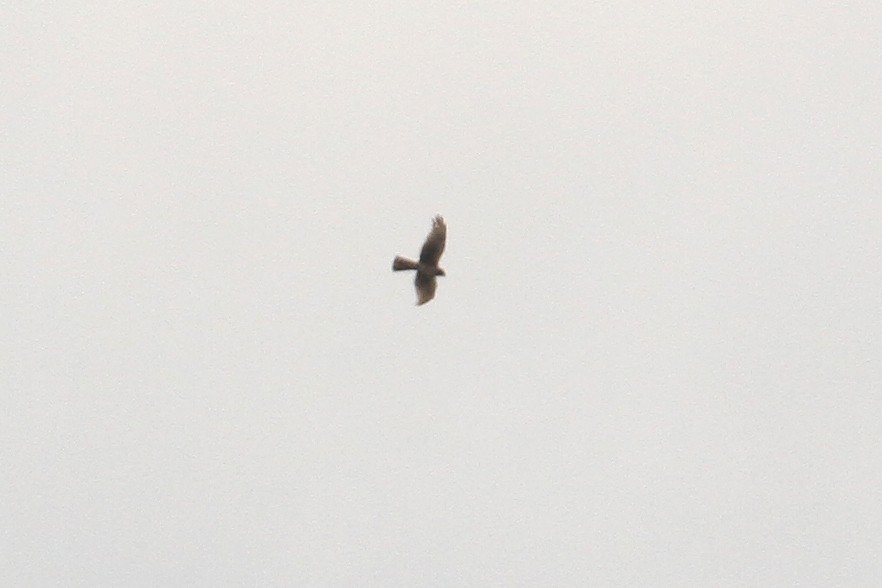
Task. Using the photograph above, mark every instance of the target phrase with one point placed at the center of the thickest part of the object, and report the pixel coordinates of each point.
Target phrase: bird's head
(440, 272)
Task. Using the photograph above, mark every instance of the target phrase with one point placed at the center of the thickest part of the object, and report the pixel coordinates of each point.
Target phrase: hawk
(427, 267)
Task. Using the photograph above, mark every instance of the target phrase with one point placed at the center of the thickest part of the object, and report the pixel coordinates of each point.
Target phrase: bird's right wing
(434, 245)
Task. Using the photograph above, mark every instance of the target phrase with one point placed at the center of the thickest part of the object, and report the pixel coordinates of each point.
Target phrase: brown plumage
(427, 267)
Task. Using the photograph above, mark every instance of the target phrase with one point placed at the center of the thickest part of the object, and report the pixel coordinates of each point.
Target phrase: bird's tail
(402, 263)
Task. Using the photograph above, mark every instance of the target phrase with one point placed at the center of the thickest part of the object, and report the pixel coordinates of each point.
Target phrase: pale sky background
(656, 359)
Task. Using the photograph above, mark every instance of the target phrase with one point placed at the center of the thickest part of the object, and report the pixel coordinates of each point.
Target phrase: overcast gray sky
(655, 359)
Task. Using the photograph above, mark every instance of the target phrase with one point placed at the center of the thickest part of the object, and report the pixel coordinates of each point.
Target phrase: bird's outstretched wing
(434, 246)
(425, 287)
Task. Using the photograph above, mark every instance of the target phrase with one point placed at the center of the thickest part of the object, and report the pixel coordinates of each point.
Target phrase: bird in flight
(427, 267)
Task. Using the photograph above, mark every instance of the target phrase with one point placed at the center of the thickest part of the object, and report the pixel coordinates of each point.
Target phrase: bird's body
(427, 267)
